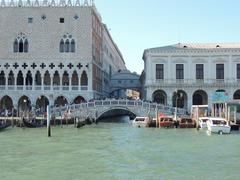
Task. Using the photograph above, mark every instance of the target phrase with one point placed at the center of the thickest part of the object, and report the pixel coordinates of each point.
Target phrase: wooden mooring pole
(48, 122)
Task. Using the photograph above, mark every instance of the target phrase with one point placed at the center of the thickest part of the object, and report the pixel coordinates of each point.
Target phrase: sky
(136, 25)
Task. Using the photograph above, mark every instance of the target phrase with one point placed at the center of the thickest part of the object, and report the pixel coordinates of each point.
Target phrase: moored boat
(4, 125)
(218, 125)
(31, 124)
(140, 121)
(203, 122)
(186, 122)
(166, 121)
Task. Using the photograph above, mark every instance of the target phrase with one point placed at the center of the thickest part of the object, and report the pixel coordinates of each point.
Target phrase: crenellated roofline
(46, 3)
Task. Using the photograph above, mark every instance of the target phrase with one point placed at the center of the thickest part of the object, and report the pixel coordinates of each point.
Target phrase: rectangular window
(61, 20)
(238, 71)
(159, 71)
(199, 71)
(30, 20)
(179, 71)
(219, 71)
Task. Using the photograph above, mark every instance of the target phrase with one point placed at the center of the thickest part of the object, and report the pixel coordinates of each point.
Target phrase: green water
(117, 151)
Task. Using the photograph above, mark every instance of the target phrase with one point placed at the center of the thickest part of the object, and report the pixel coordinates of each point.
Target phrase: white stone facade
(192, 85)
(52, 50)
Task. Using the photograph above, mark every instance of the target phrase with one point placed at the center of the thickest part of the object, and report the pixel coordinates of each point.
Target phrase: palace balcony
(42, 88)
(193, 83)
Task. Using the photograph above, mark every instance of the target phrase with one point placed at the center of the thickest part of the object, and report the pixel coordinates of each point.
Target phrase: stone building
(54, 53)
(190, 74)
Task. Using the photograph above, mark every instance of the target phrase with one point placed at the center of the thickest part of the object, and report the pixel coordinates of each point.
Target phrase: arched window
(61, 47)
(20, 46)
(15, 46)
(67, 46)
(25, 46)
(72, 45)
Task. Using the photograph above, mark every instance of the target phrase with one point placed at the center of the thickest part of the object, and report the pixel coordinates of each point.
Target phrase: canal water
(117, 151)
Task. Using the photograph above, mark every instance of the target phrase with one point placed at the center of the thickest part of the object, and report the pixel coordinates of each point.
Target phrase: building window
(67, 44)
(179, 71)
(30, 20)
(159, 71)
(238, 71)
(20, 44)
(219, 71)
(61, 20)
(199, 71)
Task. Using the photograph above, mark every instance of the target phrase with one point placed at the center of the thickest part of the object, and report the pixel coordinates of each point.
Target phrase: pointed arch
(20, 78)
(20, 46)
(67, 46)
(29, 78)
(56, 79)
(60, 101)
(25, 46)
(84, 79)
(6, 103)
(61, 46)
(15, 46)
(24, 105)
(38, 79)
(2, 78)
(11, 78)
(79, 100)
(47, 79)
(42, 103)
(72, 46)
(74, 79)
(65, 79)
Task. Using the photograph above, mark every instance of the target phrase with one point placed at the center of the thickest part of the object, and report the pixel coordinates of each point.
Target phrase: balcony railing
(194, 82)
(40, 88)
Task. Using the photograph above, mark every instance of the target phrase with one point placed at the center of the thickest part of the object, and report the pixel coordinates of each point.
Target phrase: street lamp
(178, 96)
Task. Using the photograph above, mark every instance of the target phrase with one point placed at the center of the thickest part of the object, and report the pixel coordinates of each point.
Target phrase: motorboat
(167, 122)
(203, 122)
(186, 122)
(140, 121)
(218, 125)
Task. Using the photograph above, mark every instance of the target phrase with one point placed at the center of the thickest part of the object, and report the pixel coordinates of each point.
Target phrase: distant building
(54, 53)
(190, 74)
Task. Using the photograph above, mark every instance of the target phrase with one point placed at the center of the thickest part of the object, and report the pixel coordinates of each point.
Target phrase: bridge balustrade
(128, 103)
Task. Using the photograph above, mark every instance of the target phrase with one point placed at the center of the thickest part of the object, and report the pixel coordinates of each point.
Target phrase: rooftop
(199, 46)
(46, 3)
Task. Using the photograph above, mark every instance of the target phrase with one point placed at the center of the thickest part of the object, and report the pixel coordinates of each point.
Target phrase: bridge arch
(115, 111)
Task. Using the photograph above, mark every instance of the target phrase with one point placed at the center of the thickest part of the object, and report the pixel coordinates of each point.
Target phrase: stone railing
(42, 88)
(117, 103)
(193, 82)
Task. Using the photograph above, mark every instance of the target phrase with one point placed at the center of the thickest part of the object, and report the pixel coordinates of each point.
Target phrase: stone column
(24, 81)
(42, 82)
(70, 82)
(79, 82)
(15, 82)
(51, 79)
(6, 82)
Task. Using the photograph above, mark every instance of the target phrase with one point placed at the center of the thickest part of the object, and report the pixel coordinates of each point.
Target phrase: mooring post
(48, 122)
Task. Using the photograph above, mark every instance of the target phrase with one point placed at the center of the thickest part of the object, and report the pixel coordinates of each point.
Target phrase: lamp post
(177, 97)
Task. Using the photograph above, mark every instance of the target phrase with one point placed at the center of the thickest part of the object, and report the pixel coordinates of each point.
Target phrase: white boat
(218, 125)
(203, 122)
(140, 121)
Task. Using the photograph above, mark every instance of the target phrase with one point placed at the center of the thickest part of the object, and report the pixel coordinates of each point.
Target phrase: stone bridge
(98, 108)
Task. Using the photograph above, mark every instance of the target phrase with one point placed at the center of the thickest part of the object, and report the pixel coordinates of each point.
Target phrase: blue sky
(136, 25)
